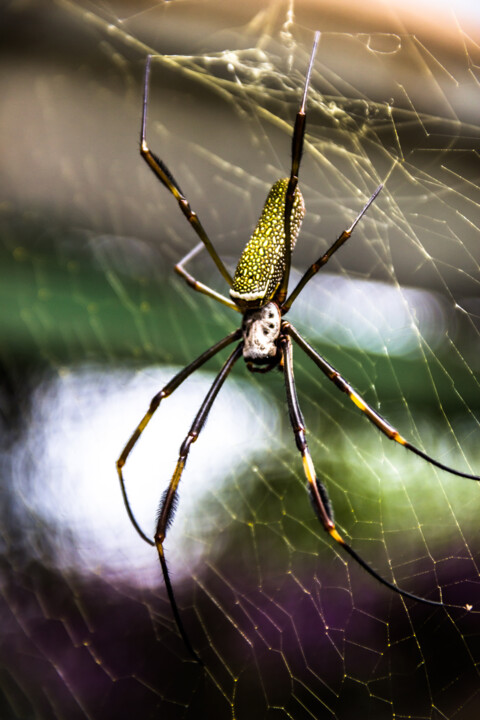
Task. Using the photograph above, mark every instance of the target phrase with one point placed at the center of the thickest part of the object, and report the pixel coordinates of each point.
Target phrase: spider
(259, 291)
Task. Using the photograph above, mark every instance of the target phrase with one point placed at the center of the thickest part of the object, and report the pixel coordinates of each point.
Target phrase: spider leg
(374, 417)
(318, 491)
(198, 286)
(297, 147)
(169, 500)
(155, 402)
(166, 177)
(315, 267)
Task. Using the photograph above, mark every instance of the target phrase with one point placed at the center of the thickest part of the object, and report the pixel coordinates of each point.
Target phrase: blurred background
(94, 322)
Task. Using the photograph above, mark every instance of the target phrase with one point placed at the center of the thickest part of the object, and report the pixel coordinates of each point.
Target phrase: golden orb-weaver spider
(258, 290)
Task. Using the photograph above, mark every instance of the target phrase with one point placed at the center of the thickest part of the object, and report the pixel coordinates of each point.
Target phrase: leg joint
(185, 447)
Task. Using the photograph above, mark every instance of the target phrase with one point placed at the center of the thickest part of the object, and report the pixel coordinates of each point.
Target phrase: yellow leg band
(336, 536)
(144, 422)
(358, 401)
(308, 468)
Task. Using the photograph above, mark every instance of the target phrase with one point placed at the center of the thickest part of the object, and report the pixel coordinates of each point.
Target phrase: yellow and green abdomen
(262, 263)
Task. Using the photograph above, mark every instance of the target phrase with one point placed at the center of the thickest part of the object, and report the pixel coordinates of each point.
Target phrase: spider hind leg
(375, 418)
(167, 390)
(170, 497)
(318, 491)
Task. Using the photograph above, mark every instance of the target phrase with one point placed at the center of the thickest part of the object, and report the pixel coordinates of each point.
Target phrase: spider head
(261, 328)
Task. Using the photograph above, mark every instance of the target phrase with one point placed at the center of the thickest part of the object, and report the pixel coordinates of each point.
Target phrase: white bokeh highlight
(80, 422)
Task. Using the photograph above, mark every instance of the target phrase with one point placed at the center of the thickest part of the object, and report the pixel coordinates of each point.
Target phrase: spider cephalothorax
(260, 332)
(258, 290)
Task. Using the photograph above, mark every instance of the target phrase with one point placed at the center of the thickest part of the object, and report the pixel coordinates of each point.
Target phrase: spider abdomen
(262, 263)
(261, 329)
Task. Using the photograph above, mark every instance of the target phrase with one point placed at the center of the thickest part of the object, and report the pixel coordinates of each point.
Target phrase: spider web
(94, 322)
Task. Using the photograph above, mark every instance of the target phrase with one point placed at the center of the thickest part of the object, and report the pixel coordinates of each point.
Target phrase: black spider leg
(169, 500)
(174, 383)
(373, 416)
(318, 492)
(166, 177)
(315, 267)
(297, 147)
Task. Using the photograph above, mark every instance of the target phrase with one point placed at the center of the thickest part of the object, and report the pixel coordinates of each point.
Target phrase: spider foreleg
(374, 417)
(165, 176)
(154, 403)
(297, 148)
(318, 491)
(170, 497)
(315, 267)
